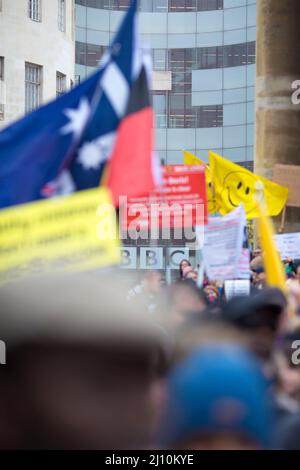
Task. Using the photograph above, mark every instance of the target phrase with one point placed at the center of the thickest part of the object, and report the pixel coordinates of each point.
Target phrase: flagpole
(283, 217)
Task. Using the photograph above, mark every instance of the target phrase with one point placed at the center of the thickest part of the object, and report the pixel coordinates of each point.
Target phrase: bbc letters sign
(153, 257)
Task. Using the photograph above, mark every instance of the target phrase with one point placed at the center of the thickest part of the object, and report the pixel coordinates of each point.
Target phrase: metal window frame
(33, 86)
(61, 84)
(61, 15)
(35, 10)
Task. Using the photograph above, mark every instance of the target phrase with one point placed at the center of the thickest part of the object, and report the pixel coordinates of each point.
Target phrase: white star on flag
(77, 118)
(92, 154)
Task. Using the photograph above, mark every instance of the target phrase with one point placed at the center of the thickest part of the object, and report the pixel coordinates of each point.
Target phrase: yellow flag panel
(76, 232)
(234, 185)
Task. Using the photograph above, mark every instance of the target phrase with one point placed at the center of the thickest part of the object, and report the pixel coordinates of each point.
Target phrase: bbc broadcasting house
(204, 61)
(203, 89)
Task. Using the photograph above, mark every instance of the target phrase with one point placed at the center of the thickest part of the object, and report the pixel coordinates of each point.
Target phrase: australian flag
(65, 145)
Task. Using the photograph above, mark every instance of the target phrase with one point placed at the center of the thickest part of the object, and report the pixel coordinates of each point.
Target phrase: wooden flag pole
(283, 218)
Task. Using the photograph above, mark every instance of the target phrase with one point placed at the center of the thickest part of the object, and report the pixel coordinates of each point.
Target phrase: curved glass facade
(204, 58)
(156, 5)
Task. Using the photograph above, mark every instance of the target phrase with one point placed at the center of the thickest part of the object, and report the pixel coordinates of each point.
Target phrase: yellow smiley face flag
(190, 159)
(234, 185)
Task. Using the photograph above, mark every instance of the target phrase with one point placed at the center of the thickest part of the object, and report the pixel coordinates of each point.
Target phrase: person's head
(211, 292)
(184, 299)
(154, 281)
(260, 315)
(184, 263)
(83, 361)
(216, 399)
(185, 271)
(260, 278)
(257, 252)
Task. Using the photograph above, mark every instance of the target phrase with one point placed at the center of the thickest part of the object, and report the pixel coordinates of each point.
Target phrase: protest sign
(223, 244)
(288, 245)
(236, 288)
(73, 232)
(180, 202)
(289, 175)
(244, 264)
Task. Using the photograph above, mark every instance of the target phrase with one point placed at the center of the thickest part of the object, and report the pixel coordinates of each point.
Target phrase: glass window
(61, 19)
(88, 54)
(226, 56)
(159, 57)
(190, 112)
(176, 110)
(182, 60)
(77, 80)
(235, 55)
(248, 165)
(209, 57)
(93, 3)
(156, 5)
(80, 53)
(33, 86)
(182, 5)
(119, 4)
(160, 109)
(35, 10)
(159, 5)
(251, 52)
(181, 112)
(61, 84)
(209, 116)
(206, 5)
(177, 60)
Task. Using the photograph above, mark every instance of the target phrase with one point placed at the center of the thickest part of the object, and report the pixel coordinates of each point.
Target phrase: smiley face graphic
(240, 187)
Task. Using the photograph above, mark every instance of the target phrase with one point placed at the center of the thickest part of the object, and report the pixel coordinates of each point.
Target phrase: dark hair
(180, 266)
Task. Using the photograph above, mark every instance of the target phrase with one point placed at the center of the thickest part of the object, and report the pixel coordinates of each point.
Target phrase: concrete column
(278, 66)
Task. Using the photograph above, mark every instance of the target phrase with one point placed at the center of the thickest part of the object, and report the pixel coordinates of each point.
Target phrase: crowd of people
(94, 363)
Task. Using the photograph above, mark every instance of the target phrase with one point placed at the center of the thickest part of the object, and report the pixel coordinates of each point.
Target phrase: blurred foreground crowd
(94, 363)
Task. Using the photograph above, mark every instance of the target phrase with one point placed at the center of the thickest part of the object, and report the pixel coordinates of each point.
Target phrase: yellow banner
(76, 232)
(234, 185)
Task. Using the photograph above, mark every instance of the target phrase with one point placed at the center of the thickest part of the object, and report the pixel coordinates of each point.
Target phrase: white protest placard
(223, 244)
(244, 264)
(288, 245)
(236, 288)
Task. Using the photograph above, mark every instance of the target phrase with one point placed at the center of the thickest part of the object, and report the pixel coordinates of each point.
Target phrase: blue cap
(217, 389)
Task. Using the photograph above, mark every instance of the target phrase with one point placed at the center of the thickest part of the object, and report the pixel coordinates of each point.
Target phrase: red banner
(180, 202)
